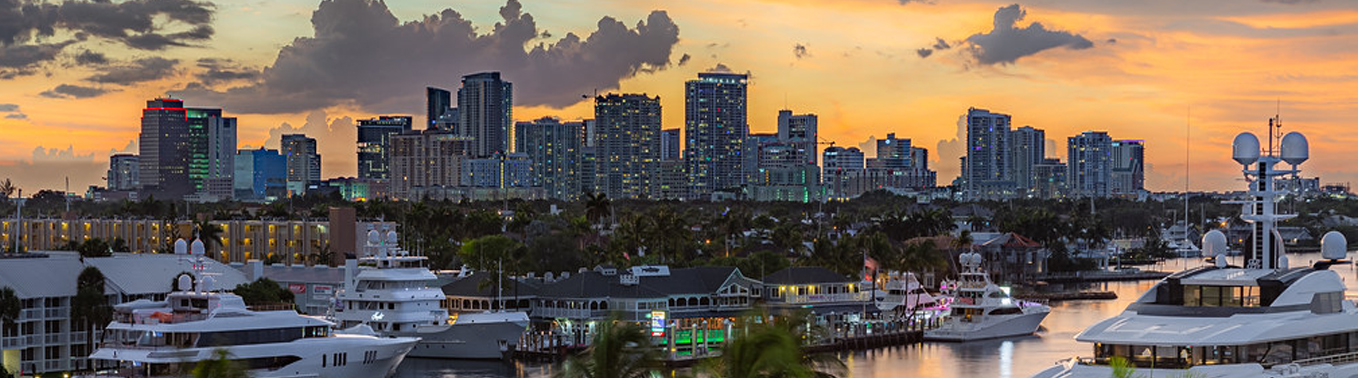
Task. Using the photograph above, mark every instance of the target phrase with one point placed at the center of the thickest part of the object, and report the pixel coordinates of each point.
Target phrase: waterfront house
(816, 289)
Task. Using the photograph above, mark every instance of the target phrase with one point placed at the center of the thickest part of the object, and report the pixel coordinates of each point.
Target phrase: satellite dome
(391, 237)
(198, 248)
(1295, 148)
(1213, 243)
(1333, 246)
(185, 283)
(1245, 149)
(374, 237)
(206, 285)
(181, 247)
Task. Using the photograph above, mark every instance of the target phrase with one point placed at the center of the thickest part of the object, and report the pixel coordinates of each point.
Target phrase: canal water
(1004, 358)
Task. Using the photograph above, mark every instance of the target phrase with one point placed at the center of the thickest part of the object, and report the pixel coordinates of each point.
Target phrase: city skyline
(1133, 72)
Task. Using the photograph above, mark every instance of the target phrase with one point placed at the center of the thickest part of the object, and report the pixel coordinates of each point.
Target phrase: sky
(75, 74)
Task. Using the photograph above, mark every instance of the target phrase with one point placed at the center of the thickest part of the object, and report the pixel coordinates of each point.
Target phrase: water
(1006, 358)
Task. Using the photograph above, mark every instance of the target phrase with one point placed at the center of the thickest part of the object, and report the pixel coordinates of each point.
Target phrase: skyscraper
(716, 129)
(1029, 148)
(485, 107)
(221, 156)
(1128, 167)
(554, 149)
(123, 172)
(304, 164)
(669, 144)
(987, 171)
(163, 148)
(628, 151)
(260, 174)
(800, 130)
(439, 101)
(426, 162)
(1090, 164)
(374, 144)
(841, 165)
(892, 153)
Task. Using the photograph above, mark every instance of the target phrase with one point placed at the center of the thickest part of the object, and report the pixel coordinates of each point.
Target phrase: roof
(471, 286)
(1012, 240)
(698, 280)
(52, 276)
(801, 275)
(154, 273)
(313, 275)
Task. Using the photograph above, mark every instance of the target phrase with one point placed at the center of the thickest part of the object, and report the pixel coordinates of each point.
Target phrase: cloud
(684, 60)
(5, 108)
(904, 2)
(88, 57)
(334, 140)
(948, 151)
(140, 24)
(800, 51)
(1006, 43)
(361, 54)
(224, 70)
(939, 45)
(1290, 2)
(37, 172)
(16, 116)
(721, 68)
(925, 52)
(74, 91)
(145, 69)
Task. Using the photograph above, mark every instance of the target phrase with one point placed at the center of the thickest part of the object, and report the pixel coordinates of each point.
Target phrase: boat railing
(1335, 359)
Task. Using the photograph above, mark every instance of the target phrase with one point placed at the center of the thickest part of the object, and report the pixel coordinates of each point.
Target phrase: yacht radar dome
(1295, 148)
(391, 237)
(198, 248)
(1245, 149)
(181, 247)
(1213, 243)
(1333, 246)
(185, 283)
(206, 284)
(374, 238)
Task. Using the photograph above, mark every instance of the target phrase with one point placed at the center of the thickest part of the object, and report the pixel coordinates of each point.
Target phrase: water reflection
(1015, 357)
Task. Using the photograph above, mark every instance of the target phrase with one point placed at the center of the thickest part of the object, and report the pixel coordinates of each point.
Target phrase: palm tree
(619, 350)
(7, 189)
(324, 255)
(90, 306)
(597, 207)
(211, 235)
(220, 366)
(9, 307)
(770, 350)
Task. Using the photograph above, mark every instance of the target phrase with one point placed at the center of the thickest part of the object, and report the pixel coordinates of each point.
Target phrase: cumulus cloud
(224, 70)
(88, 57)
(684, 60)
(1007, 42)
(924, 52)
(65, 91)
(334, 139)
(140, 24)
(140, 70)
(37, 172)
(939, 44)
(361, 54)
(948, 151)
(800, 51)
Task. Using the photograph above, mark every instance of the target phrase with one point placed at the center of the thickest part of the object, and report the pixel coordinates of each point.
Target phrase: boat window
(1220, 296)
(248, 337)
(1006, 311)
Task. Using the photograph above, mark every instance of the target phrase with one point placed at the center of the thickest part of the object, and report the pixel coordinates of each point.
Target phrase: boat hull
(468, 339)
(1004, 326)
(364, 357)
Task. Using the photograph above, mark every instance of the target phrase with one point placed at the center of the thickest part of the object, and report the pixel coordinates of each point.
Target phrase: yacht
(903, 294)
(983, 310)
(169, 338)
(1266, 319)
(389, 291)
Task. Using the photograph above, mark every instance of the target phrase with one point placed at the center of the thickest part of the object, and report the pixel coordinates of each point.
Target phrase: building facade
(1128, 168)
(800, 130)
(1090, 165)
(485, 106)
(715, 132)
(304, 163)
(163, 148)
(628, 144)
(261, 175)
(374, 144)
(669, 144)
(987, 170)
(426, 161)
(554, 149)
(438, 102)
(1029, 148)
(123, 172)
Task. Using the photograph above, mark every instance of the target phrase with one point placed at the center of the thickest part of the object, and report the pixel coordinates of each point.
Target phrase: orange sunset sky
(74, 75)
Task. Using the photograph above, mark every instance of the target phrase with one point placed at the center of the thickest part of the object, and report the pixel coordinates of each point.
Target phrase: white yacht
(904, 294)
(390, 292)
(168, 338)
(983, 310)
(1267, 319)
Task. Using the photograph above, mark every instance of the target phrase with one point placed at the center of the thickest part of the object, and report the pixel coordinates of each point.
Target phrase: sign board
(297, 288)
(657, 323)
(322, 289)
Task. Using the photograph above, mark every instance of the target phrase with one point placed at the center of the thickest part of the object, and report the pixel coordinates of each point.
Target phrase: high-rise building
(840, 165)
(485, 105)
(1128, 167)
(715, 130)
(304, 163)
(1090, 164)
(439, 102)
(988, 170)
(500, 171)
(426, 162)
(553, 147)
(892, 153)
(669, 144)
(628, 127)
(260, 175)
(123, 172)
(1029, 148)
(1049, 178)
(800, 130)
(374, 144)
(221, 157)
(163, 148)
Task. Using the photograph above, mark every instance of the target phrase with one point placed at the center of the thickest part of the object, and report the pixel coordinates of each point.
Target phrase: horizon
(867, 68)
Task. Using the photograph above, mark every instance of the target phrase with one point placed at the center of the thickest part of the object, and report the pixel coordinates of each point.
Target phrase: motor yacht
(390, 293)
(903, 294)
(1265, 319)
(169, 338)
(980, 309)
